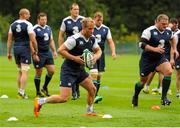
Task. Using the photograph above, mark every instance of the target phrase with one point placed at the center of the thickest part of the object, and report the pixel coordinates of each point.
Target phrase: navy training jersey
(71, 26)
(155, 38)
(177, 36)
(102, 33)
(76, 45)
(43, 37)
(20, 30)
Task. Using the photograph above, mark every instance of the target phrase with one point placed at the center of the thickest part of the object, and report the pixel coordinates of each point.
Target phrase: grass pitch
(117, 88)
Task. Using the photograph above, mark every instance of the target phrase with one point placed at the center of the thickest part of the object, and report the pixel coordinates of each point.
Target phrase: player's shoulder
(153, 27)
(177, 33)
(76, 36)
(47, 27)
(22, 22)
(169, 30)
(67, 18)
(80, 17)
(36, 26)
(104, 26)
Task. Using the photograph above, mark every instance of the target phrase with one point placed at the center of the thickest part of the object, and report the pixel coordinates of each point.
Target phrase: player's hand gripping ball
(88, 58)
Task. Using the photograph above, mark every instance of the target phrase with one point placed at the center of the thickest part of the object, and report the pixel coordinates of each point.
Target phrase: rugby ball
(88, 58)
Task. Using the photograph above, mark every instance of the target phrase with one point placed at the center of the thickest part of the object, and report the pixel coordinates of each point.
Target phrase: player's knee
(25, 68)
(51, 73)
(168, 72)
(94, 73)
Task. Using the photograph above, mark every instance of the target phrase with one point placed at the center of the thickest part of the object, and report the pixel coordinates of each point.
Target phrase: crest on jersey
(81, 42)
(69, 22)
(38, 29)
(104, 30)
(155, 33)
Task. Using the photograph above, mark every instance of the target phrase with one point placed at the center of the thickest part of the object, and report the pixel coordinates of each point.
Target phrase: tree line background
(126, 18)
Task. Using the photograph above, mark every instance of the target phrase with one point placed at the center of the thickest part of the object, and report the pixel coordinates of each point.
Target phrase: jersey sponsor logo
(155, 33)
(38, 29)
(81, 42)
(69, 22)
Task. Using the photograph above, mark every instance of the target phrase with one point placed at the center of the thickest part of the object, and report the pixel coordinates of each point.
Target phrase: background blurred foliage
(126, 19)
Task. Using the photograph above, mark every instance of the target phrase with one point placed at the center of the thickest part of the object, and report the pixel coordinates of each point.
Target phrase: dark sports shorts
(147, 66)
(45, 59)
(22, 54)
(70, 77)
(177, 63)
(100, 64)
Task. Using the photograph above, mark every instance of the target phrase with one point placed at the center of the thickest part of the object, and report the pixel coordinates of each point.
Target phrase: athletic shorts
(147, 66)
(22, 54)
(70, 77)
(45, 59)
(100, 64)
(177, 63)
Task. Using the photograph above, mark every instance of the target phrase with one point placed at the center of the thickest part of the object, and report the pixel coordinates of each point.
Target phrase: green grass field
(116, 88)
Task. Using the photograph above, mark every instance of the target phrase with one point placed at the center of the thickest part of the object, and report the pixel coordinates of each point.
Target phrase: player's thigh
(87, 84)
(50, 68)
(146, 67)
(65, 92)
(165, 68)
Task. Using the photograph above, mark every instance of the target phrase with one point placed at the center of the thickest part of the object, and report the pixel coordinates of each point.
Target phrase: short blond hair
(86, 21)
(98, 14)
(162, 17)
(23, 11)
(72, 5)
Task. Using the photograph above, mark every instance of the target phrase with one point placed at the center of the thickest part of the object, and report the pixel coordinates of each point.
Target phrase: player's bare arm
(61, 37)
(97, 54)
(112, 47)
(33, 46)
(53, 48)
(9, 46)
(64, 52)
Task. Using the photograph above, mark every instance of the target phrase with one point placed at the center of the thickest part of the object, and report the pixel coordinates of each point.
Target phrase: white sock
(147, 87)
(160, 89)
(89, 108)
(21, 91)
(42, 101)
